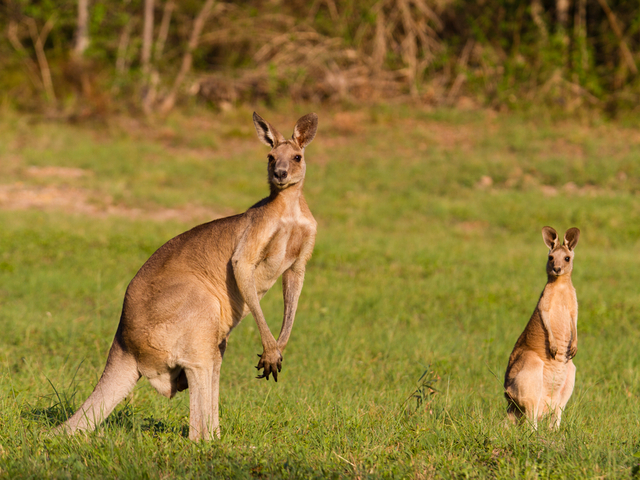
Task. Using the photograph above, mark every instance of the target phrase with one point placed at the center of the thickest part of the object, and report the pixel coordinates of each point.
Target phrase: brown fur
(541, 374)
(186, 299)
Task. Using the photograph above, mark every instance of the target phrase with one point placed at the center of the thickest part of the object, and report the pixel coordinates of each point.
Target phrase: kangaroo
(541, 374)
(182, 305)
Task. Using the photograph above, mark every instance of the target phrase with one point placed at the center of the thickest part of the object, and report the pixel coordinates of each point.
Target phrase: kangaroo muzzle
(280, 174)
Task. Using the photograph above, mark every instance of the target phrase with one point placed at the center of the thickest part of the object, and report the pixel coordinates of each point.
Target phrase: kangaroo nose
(280, 174)
(556, 269)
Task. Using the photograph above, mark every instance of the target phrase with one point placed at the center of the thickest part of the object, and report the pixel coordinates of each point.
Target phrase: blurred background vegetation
(83, 58)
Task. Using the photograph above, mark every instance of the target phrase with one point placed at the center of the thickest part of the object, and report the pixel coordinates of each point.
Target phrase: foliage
(504, 54)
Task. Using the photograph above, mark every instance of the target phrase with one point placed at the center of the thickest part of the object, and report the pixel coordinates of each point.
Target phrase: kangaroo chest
(561, 307)
(279, 254)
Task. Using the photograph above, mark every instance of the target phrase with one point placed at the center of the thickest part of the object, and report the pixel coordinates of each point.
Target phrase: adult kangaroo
(186, 299)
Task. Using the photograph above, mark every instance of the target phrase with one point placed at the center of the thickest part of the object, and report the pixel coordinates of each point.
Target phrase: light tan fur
(541, 374)
(186, 299)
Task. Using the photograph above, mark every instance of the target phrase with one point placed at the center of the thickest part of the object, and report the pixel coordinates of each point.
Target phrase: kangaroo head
(286, 165)
(560, 260)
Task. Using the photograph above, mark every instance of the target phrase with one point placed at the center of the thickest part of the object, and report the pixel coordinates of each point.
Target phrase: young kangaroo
(186, 299)
(541, 373)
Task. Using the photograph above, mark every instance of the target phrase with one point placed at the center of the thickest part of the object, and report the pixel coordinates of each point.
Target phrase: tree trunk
(562, 12)
(624, 48)
(169, 7)
(536, 15)
(82, 31)
(147, 42)
(147, 35)
(39, 39)
(562, 18)
(123, 45)
(198, 25)
(580, 32)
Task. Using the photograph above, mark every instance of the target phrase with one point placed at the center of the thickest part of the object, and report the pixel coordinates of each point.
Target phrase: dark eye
(271, 158)
(297, 158)
(566, 259)
(550, 258)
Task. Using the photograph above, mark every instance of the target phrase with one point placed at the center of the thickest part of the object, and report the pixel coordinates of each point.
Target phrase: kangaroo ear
(571, 238)
(550, 237)
(305, 130)
(266, 133)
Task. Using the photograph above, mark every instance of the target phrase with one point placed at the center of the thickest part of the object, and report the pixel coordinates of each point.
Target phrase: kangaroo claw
(270, 363)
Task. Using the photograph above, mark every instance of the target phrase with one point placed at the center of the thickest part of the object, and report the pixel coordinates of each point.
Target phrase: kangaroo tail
(118, 379)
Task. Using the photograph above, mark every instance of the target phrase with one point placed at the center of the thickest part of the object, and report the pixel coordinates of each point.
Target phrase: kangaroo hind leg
(203, 380)
(204, 388)
(525, 391)
(201, 364)
(564, 394)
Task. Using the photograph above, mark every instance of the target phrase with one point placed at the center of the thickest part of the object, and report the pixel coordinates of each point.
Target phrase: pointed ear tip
(574, 232)
(311, 116)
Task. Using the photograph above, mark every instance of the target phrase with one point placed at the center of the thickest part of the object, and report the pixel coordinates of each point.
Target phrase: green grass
(415, 267)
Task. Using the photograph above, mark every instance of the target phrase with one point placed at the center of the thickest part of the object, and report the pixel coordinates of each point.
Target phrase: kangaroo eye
(566, 259)
(297, 158)
(550, 258)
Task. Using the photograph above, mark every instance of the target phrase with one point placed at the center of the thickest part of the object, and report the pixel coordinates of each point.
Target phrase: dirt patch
(448, 137)
(525, 182)
(472, 226)
(60, 172)
(349, 122)
(562, 148)
(18, 196)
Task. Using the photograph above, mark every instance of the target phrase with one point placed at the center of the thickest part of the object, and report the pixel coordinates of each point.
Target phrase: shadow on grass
(123, 419)
(58, 411)
(126, 420)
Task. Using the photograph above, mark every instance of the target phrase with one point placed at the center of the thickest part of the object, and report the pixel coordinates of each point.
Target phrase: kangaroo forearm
(247, 287)
(268, 341)
(292, 282)
(547, 326)
(287, 324)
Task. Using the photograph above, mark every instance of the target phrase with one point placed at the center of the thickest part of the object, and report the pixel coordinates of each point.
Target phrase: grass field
(429, 257)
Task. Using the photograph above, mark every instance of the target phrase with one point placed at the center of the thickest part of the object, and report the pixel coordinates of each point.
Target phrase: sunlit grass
(417, 266)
